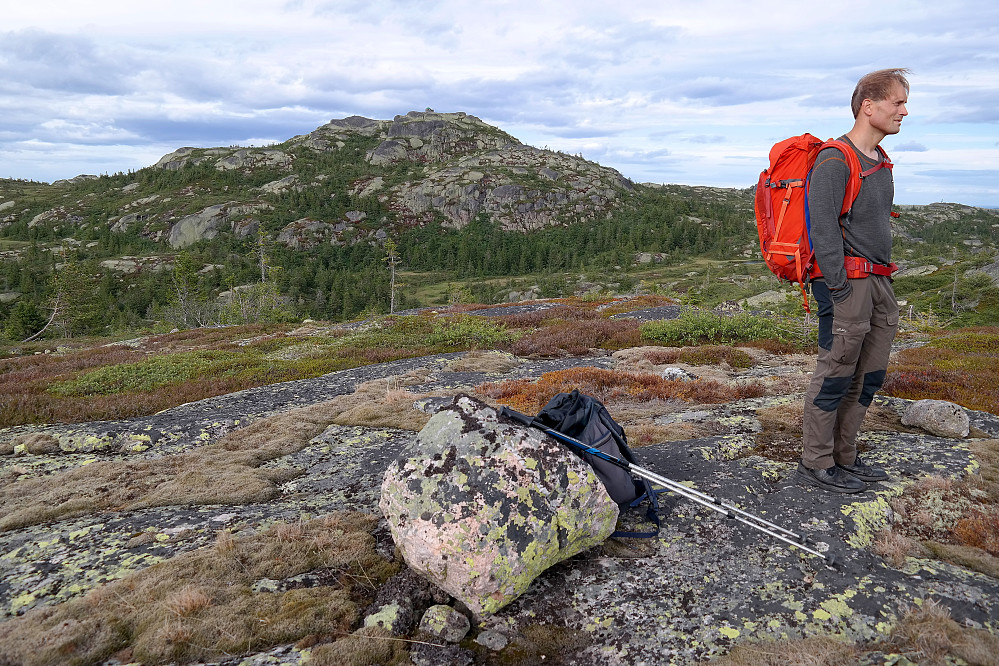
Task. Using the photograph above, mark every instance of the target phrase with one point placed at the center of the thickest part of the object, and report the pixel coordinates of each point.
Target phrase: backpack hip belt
(858, 267)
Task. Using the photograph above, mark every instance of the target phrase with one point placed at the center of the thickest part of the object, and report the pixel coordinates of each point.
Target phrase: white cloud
(664, 92)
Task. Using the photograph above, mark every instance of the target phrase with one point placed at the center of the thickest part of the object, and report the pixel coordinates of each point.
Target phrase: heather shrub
(548, 316)
(609, 386)
(961, 367)
(577, 338)
(642, 302)
(703, 355)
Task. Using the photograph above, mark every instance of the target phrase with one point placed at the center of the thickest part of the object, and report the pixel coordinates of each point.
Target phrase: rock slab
(482, 506)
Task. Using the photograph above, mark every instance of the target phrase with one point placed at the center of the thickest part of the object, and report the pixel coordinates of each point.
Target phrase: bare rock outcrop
(207, 223)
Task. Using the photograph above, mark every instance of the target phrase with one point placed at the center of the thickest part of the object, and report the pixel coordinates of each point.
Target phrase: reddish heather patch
(608, 386)
(577, 338)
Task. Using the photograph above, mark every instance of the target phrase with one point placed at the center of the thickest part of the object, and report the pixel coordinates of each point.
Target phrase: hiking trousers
(855, 338)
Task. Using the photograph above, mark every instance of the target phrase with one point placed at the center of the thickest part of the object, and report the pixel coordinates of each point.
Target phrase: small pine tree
(24, 321)
(392, 259)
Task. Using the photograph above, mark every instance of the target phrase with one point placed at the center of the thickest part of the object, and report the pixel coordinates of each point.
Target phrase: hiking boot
(864, 472)
(833, 479)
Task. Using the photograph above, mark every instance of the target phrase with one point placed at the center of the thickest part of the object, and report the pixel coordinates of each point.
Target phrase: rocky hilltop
(412, 170)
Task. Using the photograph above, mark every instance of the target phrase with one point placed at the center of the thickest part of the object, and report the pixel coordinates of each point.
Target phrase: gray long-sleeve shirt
(863, 232)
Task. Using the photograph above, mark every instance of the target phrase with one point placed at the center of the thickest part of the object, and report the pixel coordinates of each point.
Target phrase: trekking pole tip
(831, 560)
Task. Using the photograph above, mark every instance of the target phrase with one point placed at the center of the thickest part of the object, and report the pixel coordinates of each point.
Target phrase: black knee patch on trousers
(872, 382)
(833, 390)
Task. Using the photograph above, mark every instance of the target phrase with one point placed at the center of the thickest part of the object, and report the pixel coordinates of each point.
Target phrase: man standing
(858, 313)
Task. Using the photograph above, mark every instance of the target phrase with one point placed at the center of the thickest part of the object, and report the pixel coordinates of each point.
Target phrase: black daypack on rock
(584, 418)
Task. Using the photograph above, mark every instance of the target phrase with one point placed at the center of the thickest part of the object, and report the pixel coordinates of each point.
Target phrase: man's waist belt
(858, 267)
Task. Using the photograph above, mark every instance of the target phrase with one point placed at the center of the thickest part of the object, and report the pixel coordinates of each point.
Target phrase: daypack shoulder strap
(853, 162)
(884, 163)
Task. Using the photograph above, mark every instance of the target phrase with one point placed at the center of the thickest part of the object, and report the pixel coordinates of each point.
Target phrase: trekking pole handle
(517, 416)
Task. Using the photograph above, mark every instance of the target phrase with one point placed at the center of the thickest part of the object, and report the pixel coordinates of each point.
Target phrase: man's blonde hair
(877, 86)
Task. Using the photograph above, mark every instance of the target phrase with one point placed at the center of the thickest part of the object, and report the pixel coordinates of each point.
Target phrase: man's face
(886, 114)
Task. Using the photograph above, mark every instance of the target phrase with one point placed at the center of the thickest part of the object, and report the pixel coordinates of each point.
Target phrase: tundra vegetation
(194, 606)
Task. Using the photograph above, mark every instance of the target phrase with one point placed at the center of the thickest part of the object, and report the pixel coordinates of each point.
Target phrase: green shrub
(695, 327)
(467, 331)
(150, 374)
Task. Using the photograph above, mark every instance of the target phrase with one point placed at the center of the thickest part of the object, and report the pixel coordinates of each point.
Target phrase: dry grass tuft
(646, 433)
(895, 547)
(201, 605)
(812, 651)
(368, 646)
(780, 438)
(924, 635)
(928, 635)
(188, 600)
(382, 403)
(485, 361)
(227, 472)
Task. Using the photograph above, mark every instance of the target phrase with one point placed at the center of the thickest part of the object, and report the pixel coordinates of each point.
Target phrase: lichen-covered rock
(938, 417)
(482, 506)
(393, 617)
(445, 623)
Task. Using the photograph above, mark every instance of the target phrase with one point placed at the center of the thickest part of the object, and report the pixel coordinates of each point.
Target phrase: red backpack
(782, 210)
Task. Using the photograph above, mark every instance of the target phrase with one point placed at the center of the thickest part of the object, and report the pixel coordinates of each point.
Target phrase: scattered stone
(255, 159)
(392, 617)
(482, 507)
(492, 640)
(677, 374)
(771, 297)
(445, 623)
(423, 654)
(281, 185)
(938, 417)
(432, 405)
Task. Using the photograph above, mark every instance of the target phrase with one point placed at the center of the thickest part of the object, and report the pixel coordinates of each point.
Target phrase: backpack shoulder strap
(853, 162)
(884, 163)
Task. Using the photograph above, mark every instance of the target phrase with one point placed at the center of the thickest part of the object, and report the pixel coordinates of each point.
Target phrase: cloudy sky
(689, 92)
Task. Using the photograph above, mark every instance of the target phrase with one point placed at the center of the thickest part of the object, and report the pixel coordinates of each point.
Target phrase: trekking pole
(713, 503)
